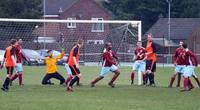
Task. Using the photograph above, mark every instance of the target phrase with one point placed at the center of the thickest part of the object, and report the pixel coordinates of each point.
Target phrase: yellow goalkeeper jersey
(51, 63)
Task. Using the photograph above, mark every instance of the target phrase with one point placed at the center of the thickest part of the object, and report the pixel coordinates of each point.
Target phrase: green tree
(29, 9)
(149, 11)
(20, 8)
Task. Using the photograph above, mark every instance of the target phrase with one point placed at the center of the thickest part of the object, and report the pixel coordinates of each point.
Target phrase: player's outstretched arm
(134, 57)
(4, 59)
(25, 57)
(2, 63)
(61, 55)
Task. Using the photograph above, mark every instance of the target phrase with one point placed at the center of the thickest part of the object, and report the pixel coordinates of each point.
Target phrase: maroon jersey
(140, 53)
(179, 56)
(19, 54)
(108, 58)
(186, 58)
(193, 58)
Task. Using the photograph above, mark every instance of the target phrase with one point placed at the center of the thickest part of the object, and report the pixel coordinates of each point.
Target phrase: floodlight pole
(169, 27)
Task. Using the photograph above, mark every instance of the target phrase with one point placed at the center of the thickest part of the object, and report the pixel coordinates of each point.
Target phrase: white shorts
(107, 70)
(19, 67)
(179, 69)
(69, 72)
(188, 71)
(139, 66)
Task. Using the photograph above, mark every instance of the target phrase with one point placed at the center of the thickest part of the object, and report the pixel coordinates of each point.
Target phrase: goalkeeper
(51, 68)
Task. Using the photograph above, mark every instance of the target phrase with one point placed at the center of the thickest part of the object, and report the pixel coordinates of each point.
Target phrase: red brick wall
(85, 10)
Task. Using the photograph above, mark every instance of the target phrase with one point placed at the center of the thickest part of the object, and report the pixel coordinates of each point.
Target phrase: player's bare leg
(111, 83)
(96, 80)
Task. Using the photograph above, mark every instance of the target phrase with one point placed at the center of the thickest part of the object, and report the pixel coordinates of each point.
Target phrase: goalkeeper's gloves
(62, 49)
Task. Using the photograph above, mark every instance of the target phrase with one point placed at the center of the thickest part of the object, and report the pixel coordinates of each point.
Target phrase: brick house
(75, 10)
(182, 29)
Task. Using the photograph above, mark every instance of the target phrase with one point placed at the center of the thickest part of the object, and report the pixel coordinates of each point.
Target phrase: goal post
(55, 33)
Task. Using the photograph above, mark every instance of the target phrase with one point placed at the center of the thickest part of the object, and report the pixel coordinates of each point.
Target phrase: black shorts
(10, 70)
(74, 70)
(150, 65)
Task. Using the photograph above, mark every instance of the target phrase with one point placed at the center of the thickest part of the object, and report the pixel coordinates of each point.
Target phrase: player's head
(185, 46)
(181, 43)
(149, 37)
(108, 46)
(80, 42)
(139, 43)
(13, 42)
(19, 41)
(50, 53)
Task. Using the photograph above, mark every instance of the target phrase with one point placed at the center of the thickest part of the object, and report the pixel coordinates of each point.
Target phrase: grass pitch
(34, 96)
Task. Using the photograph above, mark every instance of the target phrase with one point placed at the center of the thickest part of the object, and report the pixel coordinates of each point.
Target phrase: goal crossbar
(70, 21)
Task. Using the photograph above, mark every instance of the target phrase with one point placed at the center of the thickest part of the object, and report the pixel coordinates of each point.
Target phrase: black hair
(49, 51)
(107, 44)
(19, 39)
(80, 41)
(13, 41)
(185, 45)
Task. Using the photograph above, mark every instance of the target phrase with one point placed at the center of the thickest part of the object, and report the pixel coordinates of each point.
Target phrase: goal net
(53, 34)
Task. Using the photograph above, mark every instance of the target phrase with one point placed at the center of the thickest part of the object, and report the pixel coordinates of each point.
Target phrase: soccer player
(193, 63)
(19, 56)
(73, 62)
(70, 76)
(150, 61)
(139, 64)
(188, 69)
(179, 64)
(10, 62)
(109, 65)
(51, 68)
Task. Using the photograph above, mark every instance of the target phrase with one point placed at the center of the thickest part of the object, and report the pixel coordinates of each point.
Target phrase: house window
(71, 25)
(97, 27)
(95, 42)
